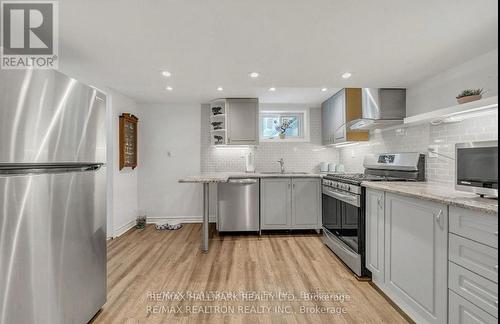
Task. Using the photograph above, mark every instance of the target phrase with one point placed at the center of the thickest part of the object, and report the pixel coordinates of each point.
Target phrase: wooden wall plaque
(128, 141)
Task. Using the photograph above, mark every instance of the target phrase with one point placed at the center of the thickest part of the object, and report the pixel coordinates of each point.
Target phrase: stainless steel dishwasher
(238, 205)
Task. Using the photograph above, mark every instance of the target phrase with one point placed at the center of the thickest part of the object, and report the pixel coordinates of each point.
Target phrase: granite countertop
(220, 177)
(438, 193)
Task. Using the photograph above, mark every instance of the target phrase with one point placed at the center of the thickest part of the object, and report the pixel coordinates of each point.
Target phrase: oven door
(341, 216)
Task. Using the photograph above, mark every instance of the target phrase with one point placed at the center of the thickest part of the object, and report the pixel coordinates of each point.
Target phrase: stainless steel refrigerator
(52, 198)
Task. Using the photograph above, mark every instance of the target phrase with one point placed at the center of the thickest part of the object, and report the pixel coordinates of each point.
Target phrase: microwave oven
(476, 167)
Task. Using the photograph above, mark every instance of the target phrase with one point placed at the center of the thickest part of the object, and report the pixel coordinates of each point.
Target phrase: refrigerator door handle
(27, 168)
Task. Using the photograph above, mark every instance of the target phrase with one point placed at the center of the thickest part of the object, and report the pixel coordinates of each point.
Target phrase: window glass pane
(293, 128)
(269, 124)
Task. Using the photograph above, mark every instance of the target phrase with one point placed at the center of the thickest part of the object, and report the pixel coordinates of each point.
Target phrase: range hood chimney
(380, 108)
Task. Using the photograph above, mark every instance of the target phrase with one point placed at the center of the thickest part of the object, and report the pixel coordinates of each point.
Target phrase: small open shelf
(455, 113)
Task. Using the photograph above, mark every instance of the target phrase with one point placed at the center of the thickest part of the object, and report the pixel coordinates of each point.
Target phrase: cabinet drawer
(463, 311)
(476, 289)
(474, 256)
(477, 226)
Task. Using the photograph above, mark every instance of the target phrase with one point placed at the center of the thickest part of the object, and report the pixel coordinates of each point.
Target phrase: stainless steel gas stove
(344, 203)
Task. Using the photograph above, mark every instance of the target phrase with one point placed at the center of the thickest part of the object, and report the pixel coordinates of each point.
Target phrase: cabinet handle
(289, 186)
(495, 233)
(438, 218)
(293, 186)
(379, 202)
(496, 267)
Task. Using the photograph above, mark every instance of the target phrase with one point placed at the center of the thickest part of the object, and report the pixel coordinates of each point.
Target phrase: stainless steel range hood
(381, 108)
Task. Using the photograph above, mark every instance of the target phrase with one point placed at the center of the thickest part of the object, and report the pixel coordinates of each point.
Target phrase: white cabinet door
(242, 121)
(275, 203)
(375, 222)
(416, 257)
(306, 203)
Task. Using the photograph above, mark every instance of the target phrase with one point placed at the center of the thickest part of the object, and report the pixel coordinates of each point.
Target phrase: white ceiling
(297, 46)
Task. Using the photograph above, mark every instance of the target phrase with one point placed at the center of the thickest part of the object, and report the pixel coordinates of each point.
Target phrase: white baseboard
(124, 228)
(178, 219)
(161, 220)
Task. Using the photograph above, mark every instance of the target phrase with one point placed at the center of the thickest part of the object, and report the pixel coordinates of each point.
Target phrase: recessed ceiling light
(254, 75)
(166, 74)
(169, 88)
(220, 88)
(324, 89)
(272, 89)
(346, 75)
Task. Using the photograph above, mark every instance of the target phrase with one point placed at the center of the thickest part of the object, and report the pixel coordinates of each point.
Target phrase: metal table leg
(206, 212)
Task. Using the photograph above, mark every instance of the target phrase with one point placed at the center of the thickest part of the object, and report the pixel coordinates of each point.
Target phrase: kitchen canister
(332, 167)
(323, 167)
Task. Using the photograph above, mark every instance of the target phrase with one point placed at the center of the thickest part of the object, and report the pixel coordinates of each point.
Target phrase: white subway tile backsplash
(298, 156)
(418, 138)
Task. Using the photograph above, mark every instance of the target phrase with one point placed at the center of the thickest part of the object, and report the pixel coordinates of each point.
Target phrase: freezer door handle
(28, 168)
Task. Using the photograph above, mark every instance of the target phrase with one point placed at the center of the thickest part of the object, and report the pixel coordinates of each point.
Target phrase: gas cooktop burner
(357, 178)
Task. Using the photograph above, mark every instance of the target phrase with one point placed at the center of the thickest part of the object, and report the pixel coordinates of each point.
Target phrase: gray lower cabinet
(290, 203)
(408, 255)
(306, 203)
(275, 203)
(416, 249)
(473, 266)
(375, 223)
(463, 311)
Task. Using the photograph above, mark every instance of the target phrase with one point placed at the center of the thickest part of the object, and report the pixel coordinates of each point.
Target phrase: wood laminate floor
(278, 267)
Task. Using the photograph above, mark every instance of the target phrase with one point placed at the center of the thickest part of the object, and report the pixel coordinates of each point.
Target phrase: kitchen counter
(219, 177)
(437, 193)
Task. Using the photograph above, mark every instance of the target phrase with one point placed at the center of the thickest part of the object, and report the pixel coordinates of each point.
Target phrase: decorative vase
(282, 136)
(468, 99)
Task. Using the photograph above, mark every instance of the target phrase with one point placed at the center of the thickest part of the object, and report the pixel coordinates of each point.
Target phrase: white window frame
(303, 126)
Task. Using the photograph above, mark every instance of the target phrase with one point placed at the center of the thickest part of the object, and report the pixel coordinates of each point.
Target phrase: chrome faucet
(282, 165)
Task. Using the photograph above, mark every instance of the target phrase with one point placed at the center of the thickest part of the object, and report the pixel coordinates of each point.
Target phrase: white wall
(169, 147)
(122, 195)
(440, 91)
(436, 92)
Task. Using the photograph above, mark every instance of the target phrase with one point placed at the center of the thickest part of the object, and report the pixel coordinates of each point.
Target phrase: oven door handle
(350, 199)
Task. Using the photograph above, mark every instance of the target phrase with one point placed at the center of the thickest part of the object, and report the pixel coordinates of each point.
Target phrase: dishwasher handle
(243, 181)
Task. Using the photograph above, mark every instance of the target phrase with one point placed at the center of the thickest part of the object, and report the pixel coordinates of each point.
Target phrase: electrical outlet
(433, 151)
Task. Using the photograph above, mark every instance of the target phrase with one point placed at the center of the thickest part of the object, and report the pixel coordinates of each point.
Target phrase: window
(271, 121)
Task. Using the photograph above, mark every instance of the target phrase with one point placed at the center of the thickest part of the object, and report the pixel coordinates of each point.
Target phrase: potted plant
(469, 95)
(281, 128)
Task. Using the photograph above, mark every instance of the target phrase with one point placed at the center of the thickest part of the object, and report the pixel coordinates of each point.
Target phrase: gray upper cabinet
(290, 203)
(336, 112)
(326, 122)
(242, 121)
(275, 203)
(306, 203)
(339, 124)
